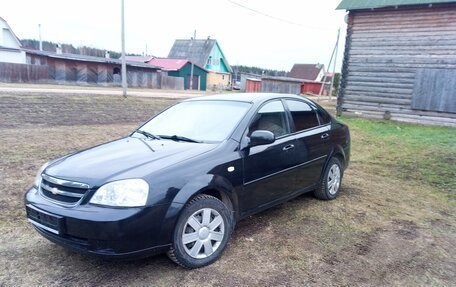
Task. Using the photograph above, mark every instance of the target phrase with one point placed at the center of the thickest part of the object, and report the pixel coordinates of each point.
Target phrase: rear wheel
(330, 181)
(201, 233)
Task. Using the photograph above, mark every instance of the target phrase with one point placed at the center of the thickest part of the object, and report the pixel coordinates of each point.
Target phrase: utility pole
(41, 42)
(329, 65)
(191, 69)
(334, 66)
(124, 64)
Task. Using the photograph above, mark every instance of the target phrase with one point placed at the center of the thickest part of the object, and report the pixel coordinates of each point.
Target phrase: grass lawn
(393, 224)
(411, 152)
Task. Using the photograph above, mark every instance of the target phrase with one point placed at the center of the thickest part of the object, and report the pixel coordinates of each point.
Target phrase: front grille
(62, 191)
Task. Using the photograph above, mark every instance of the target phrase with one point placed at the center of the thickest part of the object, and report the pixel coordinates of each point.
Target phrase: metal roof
(195, 50)
(285, 79)
(306, 71)
(368, 4)
(77, 57)
(171, 64)
(9, 49)
(143, 59)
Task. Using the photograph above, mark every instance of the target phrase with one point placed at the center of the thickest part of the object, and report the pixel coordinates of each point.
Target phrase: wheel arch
(213, 185)
(210, 184)
(339, 153)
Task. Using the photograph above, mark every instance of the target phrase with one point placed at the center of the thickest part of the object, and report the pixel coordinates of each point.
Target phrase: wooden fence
(171, 83)
(23, 73)
(83, 74)
(280, 85)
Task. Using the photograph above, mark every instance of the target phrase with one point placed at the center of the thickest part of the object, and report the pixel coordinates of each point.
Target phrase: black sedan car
(181, 181)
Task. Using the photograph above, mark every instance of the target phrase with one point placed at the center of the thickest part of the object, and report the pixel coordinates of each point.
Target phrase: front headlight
(122, 193)
(38, 174)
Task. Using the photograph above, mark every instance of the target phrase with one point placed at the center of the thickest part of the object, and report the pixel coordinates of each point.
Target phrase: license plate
(44, 220)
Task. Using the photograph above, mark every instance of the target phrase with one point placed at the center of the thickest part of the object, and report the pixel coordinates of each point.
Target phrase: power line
(270, 16)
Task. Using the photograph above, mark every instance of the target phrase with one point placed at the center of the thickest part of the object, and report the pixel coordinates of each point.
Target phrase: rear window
(325, 118)
(304, 117)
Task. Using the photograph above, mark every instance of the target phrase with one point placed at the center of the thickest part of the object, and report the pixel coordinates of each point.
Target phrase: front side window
(304, 117)
(271, 117)
(205, 121)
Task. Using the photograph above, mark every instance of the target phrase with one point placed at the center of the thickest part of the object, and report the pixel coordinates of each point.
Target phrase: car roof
(245, 97)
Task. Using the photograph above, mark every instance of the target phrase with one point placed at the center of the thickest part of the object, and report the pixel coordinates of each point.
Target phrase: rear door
(312, 142)
(267, 175)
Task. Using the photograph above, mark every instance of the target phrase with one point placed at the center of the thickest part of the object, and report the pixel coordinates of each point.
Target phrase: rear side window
(304, 117)
(325, 118)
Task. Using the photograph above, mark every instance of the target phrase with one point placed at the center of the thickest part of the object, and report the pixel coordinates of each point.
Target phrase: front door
(266, 168)
(195, 82)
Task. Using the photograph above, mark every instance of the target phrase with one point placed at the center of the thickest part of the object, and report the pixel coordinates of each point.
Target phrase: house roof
(369, 4)
(284, 79)
(305, 71)
(77, 57)
(143, 59)
(169, 64)
(196, 51)
(9, 49)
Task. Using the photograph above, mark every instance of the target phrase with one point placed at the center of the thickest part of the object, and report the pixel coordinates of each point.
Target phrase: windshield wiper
(179, 138)
(147, 134)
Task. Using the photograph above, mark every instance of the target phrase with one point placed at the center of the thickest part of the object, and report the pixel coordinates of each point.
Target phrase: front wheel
(201, 233)
(330, 181)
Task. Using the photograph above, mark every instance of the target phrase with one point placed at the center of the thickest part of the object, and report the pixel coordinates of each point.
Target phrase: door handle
(288, 147)
(324, 136)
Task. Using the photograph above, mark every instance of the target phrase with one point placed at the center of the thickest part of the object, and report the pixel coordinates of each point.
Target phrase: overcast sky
(246, 37)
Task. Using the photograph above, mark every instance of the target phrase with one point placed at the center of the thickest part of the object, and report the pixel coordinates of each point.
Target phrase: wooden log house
(400, 61)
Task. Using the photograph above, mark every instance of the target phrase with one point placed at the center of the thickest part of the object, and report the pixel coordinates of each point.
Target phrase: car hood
(109, 161)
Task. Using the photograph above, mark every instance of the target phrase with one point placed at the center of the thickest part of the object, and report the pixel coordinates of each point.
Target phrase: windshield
(203, 121)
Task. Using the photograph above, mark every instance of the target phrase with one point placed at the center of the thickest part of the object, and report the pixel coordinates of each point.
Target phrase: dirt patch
(381, 255)
(407, 229)
(57, 110)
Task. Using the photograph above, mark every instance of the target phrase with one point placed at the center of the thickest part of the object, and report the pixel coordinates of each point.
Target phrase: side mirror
(261, 137)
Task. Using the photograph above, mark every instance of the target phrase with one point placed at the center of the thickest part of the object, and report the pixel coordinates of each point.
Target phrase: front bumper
(102, 231)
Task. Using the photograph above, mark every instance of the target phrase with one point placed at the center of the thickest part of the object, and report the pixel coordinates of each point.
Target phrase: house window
(223, 77)
(213, 62)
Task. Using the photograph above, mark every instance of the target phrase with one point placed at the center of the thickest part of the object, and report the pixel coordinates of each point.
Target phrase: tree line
(258, 71)
(69, 48)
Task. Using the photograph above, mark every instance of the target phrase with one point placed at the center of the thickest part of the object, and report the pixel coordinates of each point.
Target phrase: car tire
(331, 180)
(201, 233)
